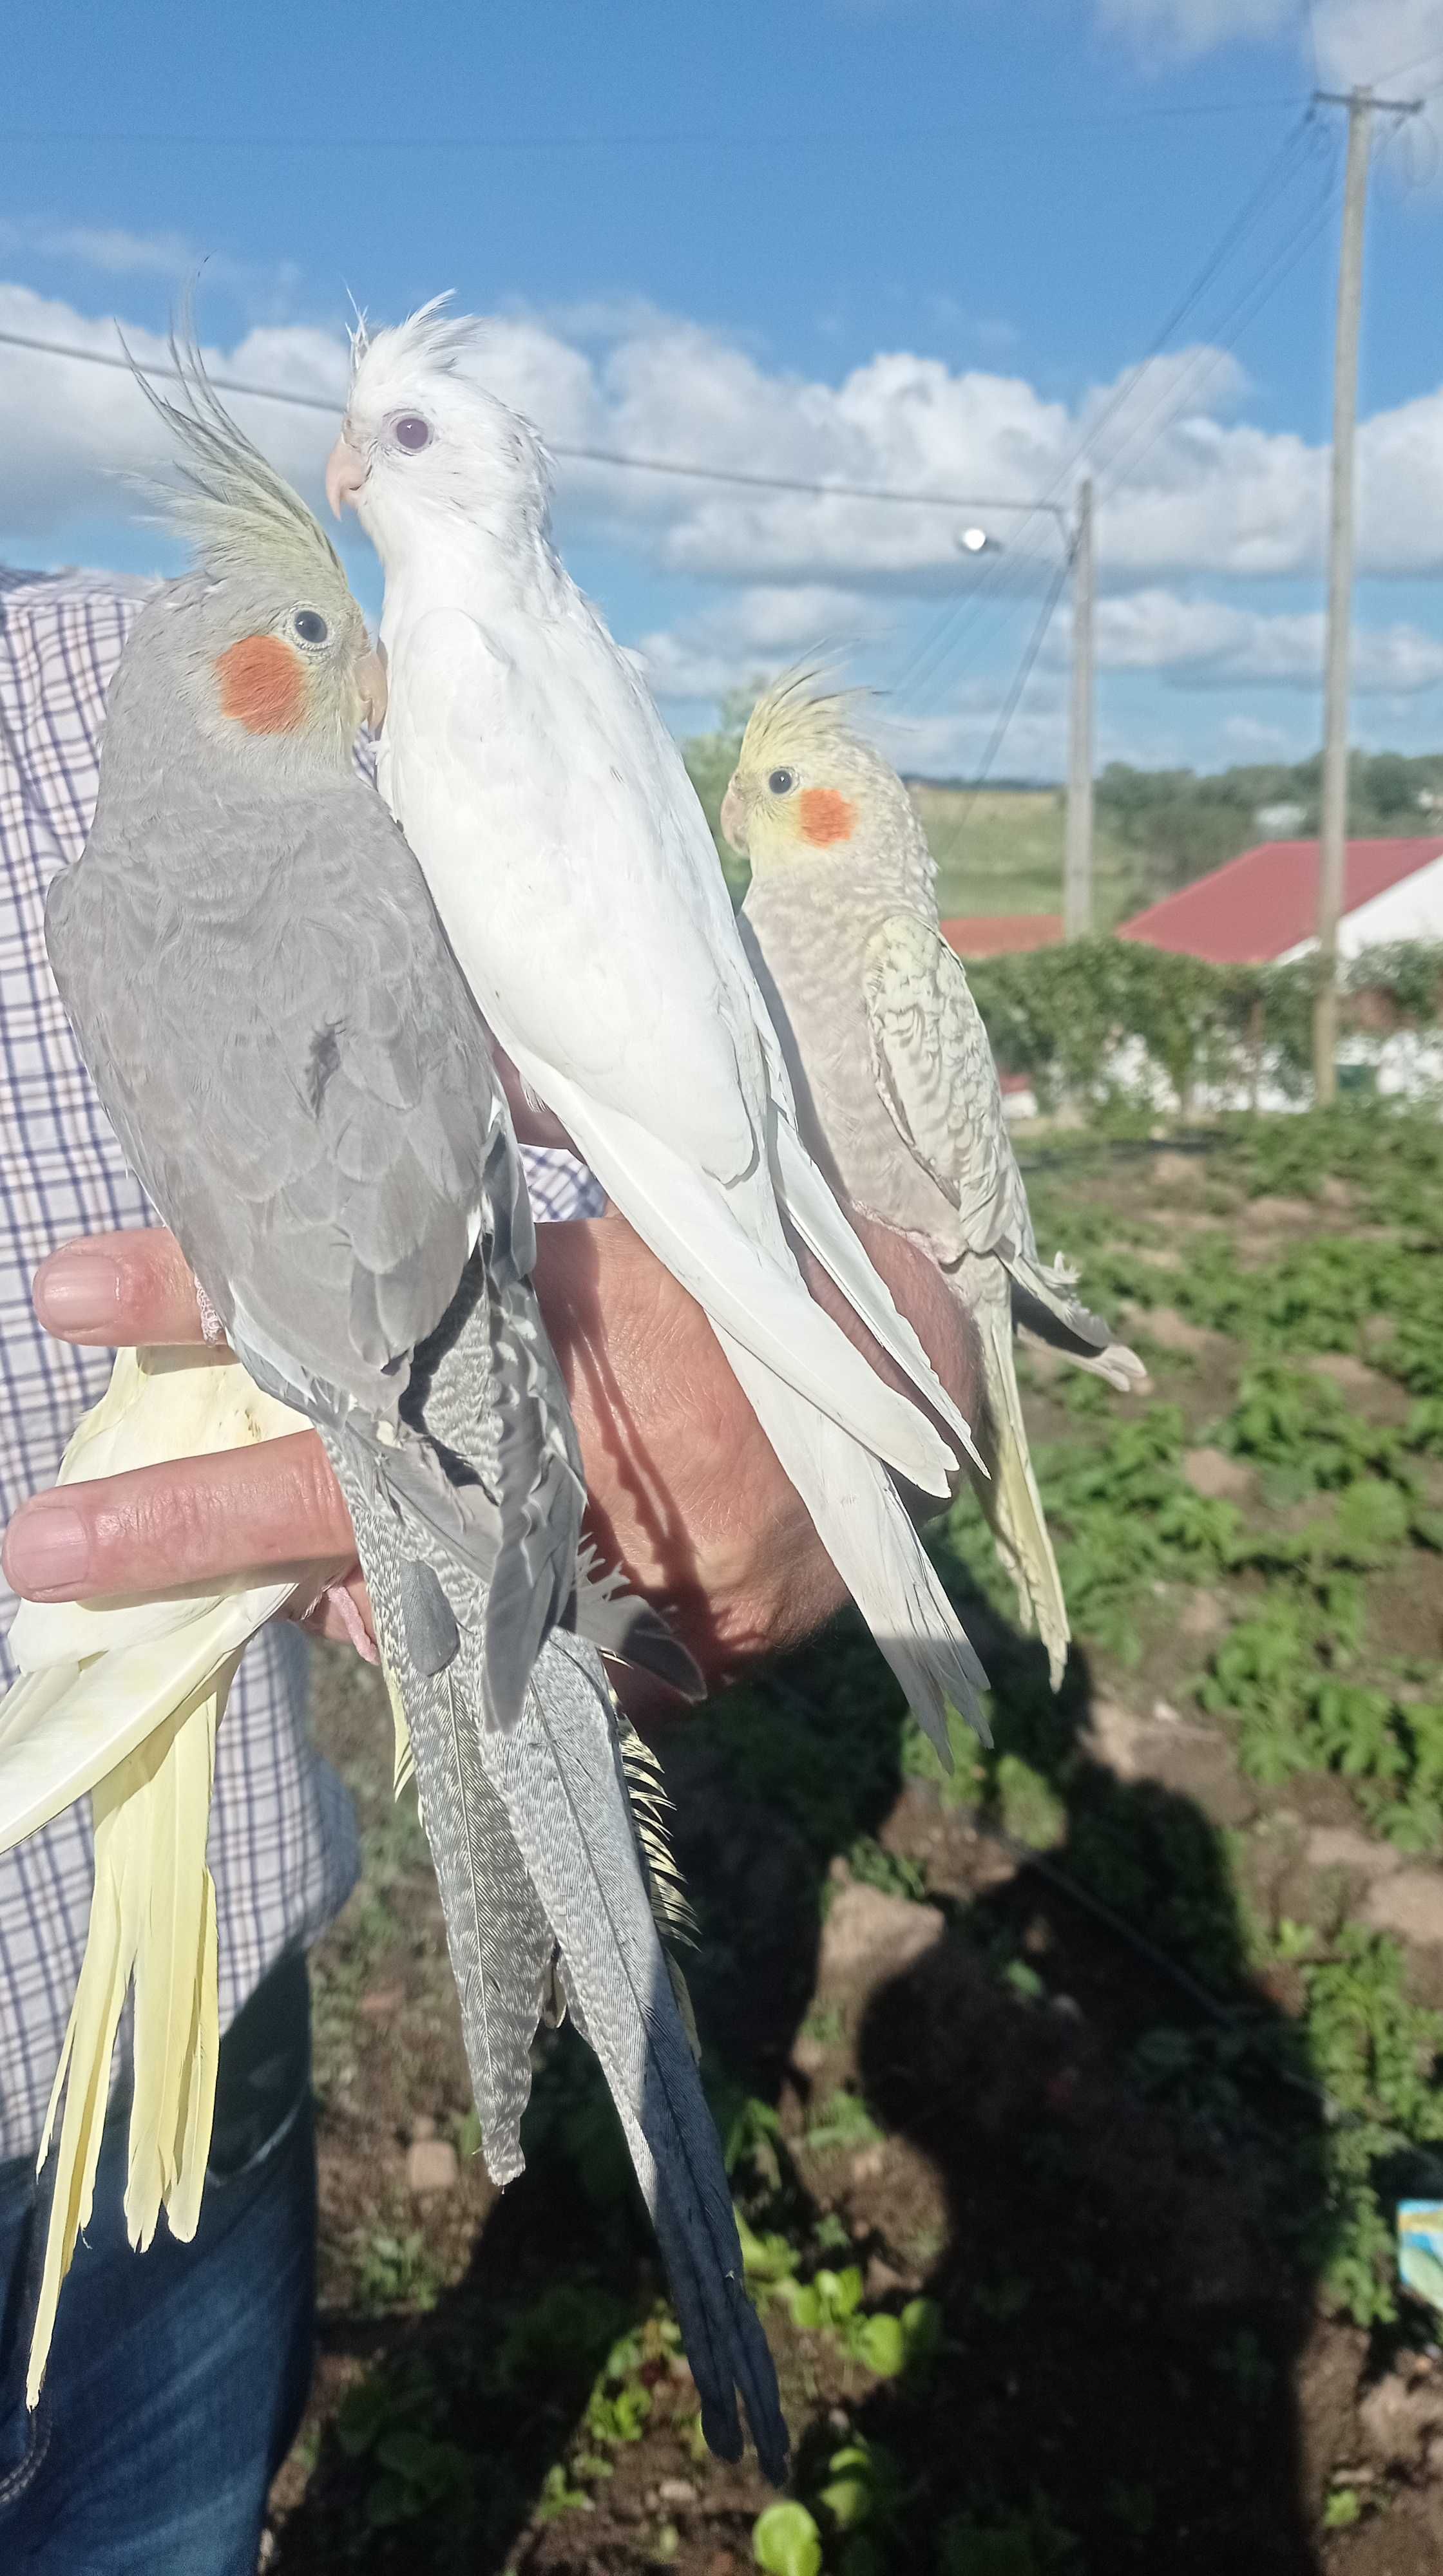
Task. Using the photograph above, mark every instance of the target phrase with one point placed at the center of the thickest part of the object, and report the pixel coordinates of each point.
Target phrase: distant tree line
(1182, 823)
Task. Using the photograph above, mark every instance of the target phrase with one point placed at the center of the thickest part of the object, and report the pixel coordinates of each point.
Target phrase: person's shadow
(1134, 2190)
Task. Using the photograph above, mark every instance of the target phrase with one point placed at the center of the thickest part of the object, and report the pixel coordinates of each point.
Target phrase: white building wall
(1411, 909)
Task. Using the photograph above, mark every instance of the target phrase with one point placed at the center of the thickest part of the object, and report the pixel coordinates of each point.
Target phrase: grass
(1003, 853)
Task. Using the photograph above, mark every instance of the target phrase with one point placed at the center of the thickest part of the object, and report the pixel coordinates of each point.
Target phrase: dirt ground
(1050, 2066)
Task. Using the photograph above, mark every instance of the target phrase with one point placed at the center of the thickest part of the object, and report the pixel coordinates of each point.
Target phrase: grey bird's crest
(231, 501)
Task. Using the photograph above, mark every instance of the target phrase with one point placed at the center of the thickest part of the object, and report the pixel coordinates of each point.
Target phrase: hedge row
(1101, 1018)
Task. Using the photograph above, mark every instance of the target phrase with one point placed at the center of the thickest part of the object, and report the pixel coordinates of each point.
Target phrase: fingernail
(77, 1290)
(47, 1549)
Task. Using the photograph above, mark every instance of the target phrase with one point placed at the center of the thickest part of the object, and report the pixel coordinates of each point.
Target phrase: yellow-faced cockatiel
(892, 1064)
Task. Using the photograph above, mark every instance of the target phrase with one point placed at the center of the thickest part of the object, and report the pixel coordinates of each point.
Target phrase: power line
(1285, 258)
(1013, 698)
(334, 405)
(958, 619)
(688, 139)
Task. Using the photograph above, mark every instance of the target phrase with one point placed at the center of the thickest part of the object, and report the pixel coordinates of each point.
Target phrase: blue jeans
(177, 2377)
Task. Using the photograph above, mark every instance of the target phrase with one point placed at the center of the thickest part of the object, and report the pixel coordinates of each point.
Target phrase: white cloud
(69, 432)
(1195, 26)
(1355, 40)
(1206, 643)
(751, 635)
(116, 252)
(1186, 485)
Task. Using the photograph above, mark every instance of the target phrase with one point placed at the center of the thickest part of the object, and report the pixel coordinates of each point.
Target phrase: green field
(1001, 851)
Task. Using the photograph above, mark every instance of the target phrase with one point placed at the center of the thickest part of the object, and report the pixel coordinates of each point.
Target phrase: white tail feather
(865, 1528)
(825, 1231)
(754, 1295)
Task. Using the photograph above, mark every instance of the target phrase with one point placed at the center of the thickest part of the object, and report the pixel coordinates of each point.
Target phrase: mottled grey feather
(559, 1781)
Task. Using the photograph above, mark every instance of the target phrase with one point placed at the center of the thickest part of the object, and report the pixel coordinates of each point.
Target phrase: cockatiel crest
(808, 782)
(418, 397)
(302, 666)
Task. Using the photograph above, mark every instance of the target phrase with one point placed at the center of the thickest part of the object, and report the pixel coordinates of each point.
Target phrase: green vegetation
(1180, 824)
(1039, 2227)
(999, 848)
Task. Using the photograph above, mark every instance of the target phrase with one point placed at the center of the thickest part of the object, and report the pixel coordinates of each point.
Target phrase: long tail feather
(750, 1292)
(561, 1776)
(150, 1818)
(825, 1231)
(1011, 1499)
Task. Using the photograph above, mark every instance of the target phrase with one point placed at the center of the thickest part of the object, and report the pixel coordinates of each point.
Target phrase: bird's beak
(371, 679)
(733, 821)
(346, 474)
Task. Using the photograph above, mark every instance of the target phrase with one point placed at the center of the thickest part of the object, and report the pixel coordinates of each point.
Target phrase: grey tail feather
(618, 1623)
(497, 1933)
(721, 2329)
(1048, 1307)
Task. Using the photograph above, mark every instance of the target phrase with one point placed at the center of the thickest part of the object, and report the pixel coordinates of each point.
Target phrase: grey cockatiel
(888, 1050)
(286, 1047)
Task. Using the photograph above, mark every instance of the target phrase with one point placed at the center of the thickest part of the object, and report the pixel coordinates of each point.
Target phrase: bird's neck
(515, 568)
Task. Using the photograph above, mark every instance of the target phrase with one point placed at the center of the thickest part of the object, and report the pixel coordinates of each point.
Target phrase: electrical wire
(688, 139)
(957, 620)
(334, 404)
(1013, 698)
(1129, 456)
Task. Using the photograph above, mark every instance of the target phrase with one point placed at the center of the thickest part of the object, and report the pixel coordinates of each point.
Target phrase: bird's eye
(781, 782)
(310, 626)
(411, 432)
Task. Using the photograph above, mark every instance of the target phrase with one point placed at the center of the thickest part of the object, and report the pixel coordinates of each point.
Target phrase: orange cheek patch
(262, 684)
(826, 816)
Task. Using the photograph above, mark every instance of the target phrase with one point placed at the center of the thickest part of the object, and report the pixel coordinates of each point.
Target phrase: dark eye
(411, 432)
(781, 782)
(311, 627)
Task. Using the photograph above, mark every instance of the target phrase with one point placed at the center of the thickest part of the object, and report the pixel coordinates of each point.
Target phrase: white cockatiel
(572, 866)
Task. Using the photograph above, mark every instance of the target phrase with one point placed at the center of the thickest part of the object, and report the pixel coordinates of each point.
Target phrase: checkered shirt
(282, 1834)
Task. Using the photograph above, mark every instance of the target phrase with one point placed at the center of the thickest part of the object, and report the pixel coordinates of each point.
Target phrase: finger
(341, 1614)
(118, 1288)
(189, 1521)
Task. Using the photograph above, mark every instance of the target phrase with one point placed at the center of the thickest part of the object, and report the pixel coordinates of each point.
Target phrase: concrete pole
(1077, 862)
(1334, 832)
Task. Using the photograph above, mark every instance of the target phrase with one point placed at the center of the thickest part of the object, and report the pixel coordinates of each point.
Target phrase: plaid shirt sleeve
(282, 1839)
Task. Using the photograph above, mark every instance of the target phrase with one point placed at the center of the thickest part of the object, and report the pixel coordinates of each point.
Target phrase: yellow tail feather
(152, 1919)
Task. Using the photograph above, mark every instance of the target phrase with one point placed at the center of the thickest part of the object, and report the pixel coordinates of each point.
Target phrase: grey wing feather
(497, 1934)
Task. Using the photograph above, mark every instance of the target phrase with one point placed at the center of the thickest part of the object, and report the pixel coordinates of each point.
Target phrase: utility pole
(1333, 838)
(1077, 860)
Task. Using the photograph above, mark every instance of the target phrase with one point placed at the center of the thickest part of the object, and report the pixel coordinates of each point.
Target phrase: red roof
(1002, 934)
(1266, 902)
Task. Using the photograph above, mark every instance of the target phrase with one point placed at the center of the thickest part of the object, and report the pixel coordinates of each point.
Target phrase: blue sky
(920, 246)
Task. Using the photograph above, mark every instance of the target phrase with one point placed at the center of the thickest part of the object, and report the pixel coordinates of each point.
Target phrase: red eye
(411, 432)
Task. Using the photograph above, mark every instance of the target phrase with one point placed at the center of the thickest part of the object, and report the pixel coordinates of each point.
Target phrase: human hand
(684, 1489)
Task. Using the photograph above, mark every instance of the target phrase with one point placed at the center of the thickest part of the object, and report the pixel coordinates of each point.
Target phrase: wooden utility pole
(1333, 839)
(1077, 862)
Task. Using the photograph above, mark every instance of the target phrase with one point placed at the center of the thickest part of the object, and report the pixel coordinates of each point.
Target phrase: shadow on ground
(1132, 2198)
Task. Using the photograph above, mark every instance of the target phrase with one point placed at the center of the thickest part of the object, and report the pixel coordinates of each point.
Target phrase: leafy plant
(786, 2541)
